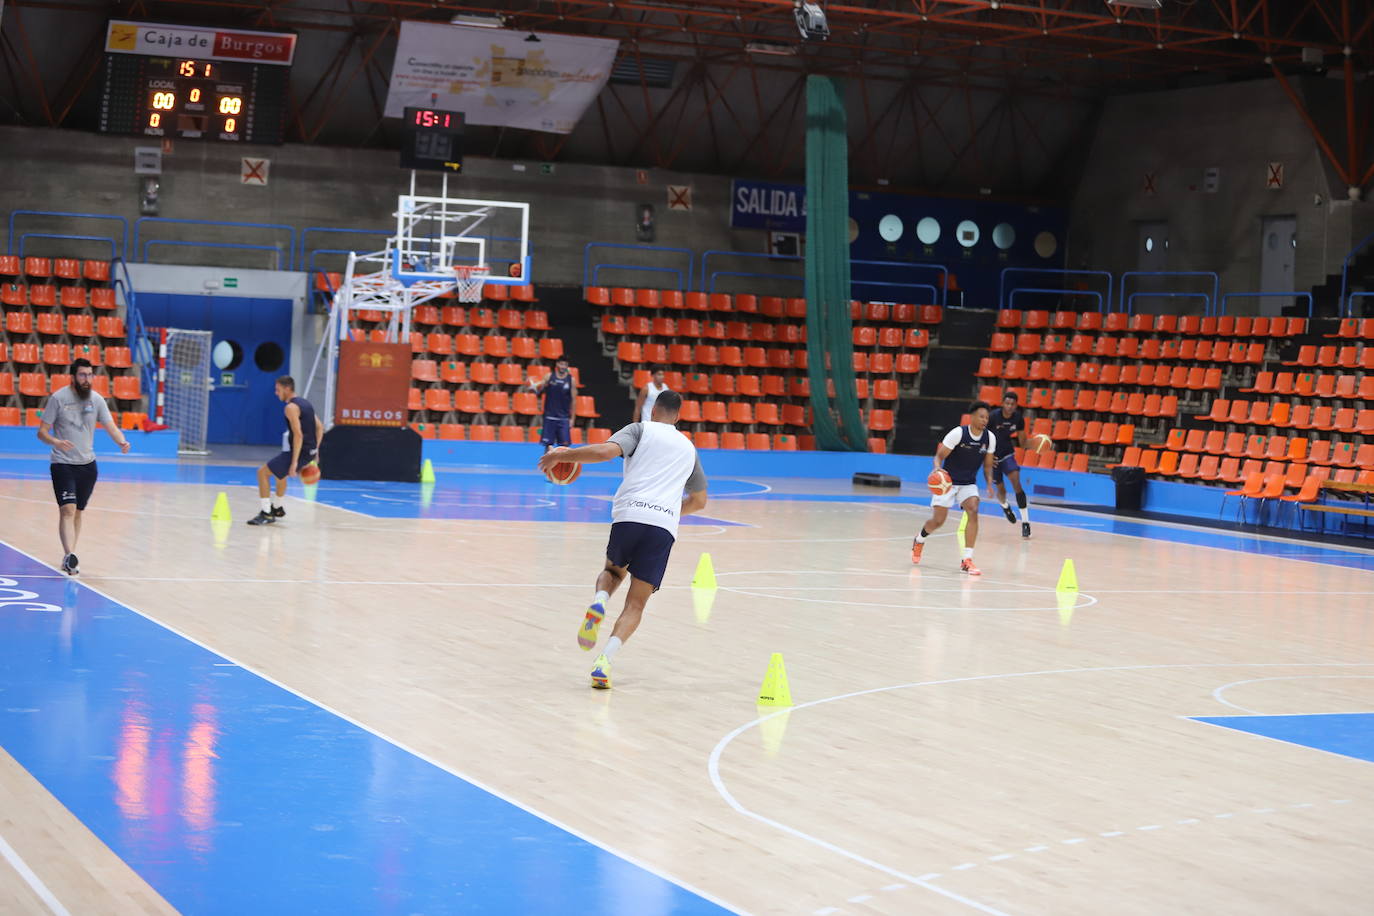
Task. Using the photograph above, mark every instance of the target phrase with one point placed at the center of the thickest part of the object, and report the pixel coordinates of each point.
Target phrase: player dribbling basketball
(1009, 426)
(962, 451)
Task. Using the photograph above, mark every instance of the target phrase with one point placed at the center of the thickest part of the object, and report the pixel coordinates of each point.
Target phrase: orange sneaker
(916, 553)
(968, 567)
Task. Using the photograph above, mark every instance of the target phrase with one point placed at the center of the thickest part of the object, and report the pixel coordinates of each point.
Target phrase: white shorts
(955, 496)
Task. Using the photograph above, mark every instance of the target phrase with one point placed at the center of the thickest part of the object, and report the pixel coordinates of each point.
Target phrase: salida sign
(767, 205)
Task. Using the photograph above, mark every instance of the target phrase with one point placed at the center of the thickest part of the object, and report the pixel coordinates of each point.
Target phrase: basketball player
(644, 405)
(560, 391)
(307, 431)
(1009, 426)
(68, 427)
(963, 450)
(660, 465)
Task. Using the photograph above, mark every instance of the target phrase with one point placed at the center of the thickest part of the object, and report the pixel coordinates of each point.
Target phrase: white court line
(33, 881)
(1217, 694)
(713, 760)
(471, 780)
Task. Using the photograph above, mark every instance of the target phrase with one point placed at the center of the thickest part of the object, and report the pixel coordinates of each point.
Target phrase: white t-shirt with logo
(651, 393)
(660, 464)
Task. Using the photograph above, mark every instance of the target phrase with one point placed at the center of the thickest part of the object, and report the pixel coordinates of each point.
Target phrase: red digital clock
(432, 139)
(428, 117)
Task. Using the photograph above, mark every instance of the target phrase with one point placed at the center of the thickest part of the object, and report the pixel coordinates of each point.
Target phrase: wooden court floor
(956, 745)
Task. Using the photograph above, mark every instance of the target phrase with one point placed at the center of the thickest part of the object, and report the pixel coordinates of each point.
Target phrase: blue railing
(1002, 299)
(934, 293)
(1011, 299)
(140, 347)
(1129, 306)
(289, 248)
(587, 272)
(942, 291)
(710, 280)
(1210, 301)
(298, 258)
(711, 285)
(596, 272)
(75, 238)
(188, 244)
(123, 239)
(1293, 294)
(1345, 306)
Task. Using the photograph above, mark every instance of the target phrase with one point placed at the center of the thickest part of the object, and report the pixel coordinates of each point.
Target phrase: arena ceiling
(946, 95)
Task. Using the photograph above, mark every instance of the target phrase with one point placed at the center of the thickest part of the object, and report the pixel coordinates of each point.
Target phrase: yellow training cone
(706, 575)
(427, 472)
(703, 599)
(775, 691)
(220, 528)
(221, 511)
(1068, 579)
(1068, 602)
(773, 729)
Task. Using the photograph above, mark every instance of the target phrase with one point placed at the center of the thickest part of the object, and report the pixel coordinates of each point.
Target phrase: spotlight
(811, 21)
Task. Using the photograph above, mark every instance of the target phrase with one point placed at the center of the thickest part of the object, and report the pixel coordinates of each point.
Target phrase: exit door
(1152, 256)
(1278, 254)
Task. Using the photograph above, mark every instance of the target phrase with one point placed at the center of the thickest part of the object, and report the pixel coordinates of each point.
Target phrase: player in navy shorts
(560, 392)
(1009, 426)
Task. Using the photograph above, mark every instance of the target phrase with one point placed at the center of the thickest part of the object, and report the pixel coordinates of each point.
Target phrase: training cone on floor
(1068, 603)
(427, 472)
(703, 600)
(963, 526)
(1068, 579)
(220, 528)
(775, 691)
(706, 575)
(221, 511)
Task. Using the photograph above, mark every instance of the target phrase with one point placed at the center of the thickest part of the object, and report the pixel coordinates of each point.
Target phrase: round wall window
(890, 227)
(853, 230)
(227, 354)
(928, 230)
(269, 357)
(967, 233)
(1046, 244)
(1003, 236)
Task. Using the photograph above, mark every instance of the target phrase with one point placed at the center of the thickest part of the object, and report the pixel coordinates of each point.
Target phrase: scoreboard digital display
(193, 99)
(432, 139)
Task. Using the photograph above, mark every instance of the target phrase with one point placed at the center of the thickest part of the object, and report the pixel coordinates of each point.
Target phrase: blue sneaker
(601, 674)
(591, 626)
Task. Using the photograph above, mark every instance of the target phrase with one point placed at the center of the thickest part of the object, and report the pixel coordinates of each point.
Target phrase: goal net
(187, 405)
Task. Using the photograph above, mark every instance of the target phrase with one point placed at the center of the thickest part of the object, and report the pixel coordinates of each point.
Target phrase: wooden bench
(1342, 510)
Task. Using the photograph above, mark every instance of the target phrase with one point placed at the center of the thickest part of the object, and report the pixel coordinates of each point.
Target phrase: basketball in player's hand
(310, 473)
(939, 482)
(1040, 443)
(563, 472)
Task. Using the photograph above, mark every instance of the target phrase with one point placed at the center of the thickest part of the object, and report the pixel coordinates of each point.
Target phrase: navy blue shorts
(73, 483)
(1004, 465)
(556, 432)
(281, 464)
(640, 548)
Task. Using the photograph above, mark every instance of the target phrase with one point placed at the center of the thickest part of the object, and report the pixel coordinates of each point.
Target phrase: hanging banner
(767, 205)
(499, 77)
(374, 384)
(199, 42)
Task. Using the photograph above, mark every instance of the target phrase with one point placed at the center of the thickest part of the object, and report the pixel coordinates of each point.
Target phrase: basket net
(469, 279)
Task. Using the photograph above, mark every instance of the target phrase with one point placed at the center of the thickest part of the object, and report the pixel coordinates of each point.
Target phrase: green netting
(830, 344)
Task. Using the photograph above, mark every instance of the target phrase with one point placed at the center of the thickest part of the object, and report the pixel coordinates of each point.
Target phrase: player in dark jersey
(560, 392)
(1009, 426)
(306, 431)
(960, 453)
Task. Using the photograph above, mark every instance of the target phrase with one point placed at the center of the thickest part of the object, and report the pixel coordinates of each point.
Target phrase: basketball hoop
(470, 279)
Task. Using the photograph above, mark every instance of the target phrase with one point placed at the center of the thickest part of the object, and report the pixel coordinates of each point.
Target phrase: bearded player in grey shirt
(69, 421)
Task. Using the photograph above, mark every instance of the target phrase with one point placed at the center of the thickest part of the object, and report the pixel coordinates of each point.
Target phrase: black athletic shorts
(73, 483)
(640, 548)
(280, 466)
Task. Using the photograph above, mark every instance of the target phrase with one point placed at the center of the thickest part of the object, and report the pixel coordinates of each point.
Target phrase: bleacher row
(1262, 443)
(56, 310)
(743, 345)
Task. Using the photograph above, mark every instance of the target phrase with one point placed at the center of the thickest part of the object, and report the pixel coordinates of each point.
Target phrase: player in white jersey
(644, 404)
(661, 465)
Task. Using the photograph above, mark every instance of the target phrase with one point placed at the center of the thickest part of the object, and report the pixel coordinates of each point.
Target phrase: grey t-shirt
(627, 437)
(75, 418)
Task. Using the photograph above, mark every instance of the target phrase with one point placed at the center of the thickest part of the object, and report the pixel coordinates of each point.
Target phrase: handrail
(75, 238)
(1347, 303)
(135, 330)
(934, 293)
(1062, 272)
(298, 255)
(596, 271)
(290, 232)
(942, 291)
(124, 238)
(190, 244)
(711, 288)
(1360, 295)
(1011, 297)
(1210, 301)
(587, 258)
(1130, 300)
(1296, 294)
(706, 255)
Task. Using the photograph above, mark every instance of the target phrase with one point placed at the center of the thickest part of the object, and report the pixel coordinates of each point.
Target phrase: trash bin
(1130, 486)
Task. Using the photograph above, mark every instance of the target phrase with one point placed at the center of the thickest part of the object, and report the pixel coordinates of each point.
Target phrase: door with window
(1152, 256)
(1278, 255)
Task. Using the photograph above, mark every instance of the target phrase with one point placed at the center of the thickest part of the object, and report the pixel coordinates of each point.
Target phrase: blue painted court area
(1349, 734)
(230, 794)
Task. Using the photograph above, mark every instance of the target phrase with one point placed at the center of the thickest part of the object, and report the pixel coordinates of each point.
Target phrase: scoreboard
(227, 87)
(432, 139)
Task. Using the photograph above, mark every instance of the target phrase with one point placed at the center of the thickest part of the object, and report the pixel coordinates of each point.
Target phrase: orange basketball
(564, 472)
(1041, 443)
(939, 482)
(310, 474)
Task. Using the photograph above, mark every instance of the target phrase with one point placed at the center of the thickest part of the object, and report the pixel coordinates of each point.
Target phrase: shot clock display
(432, 139)
(193, 99)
